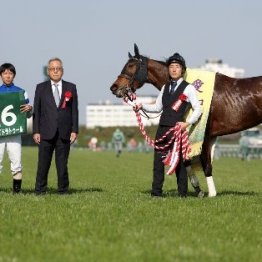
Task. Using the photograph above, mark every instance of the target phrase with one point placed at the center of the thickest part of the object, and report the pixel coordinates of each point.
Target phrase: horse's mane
(158, 61)
(161, 62)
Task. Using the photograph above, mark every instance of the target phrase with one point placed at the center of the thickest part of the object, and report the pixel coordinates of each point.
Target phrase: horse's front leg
(194, 181)
(206, 161)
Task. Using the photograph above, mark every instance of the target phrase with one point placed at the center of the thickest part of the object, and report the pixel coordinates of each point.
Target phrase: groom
(55, 125)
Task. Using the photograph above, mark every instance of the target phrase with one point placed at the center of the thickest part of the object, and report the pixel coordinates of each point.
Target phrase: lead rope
(179, 140)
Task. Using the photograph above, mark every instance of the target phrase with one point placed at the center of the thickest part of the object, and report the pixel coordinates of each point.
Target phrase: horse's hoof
(212, 194)
(200, 194)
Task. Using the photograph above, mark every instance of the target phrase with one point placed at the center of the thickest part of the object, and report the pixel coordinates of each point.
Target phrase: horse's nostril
(113, 87)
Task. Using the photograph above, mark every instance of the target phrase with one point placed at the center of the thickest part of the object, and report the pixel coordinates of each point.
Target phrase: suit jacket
(48, 118)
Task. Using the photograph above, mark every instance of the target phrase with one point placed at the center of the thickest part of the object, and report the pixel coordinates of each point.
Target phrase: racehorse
(236, 103)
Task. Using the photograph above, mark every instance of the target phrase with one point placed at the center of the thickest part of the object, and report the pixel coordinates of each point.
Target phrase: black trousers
(45, 154)
(159, 168)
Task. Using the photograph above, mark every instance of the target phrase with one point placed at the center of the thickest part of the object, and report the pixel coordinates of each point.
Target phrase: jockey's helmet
(177, 58)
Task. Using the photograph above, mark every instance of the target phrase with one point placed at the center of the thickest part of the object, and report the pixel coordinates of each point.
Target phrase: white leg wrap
(211, 187)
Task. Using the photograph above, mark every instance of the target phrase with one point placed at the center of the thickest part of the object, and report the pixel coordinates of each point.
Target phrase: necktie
(173, 86)
(56, 95)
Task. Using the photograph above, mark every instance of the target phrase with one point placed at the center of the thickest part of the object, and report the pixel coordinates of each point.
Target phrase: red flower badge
(67, 97)
(179, 102)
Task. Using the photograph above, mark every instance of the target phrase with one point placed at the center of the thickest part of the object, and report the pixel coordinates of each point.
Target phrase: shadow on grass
(174, 193)
(170, 193)
(53, 191)
(237, 193)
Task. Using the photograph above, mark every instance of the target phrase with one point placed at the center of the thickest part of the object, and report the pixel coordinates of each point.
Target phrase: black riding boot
(17, 185)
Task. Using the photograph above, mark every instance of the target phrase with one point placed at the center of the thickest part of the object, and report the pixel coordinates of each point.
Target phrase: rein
(178, 143)
(131, 97)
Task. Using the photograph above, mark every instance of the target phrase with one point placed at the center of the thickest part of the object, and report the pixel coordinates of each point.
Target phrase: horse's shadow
(53, 191)
(237, 193)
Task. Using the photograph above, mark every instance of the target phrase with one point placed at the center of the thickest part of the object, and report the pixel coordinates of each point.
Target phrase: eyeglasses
(55, 69)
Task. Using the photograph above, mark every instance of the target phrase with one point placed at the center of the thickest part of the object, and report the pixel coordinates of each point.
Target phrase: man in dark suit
(55, 125)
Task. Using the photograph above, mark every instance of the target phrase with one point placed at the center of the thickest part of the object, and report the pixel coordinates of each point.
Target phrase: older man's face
(55, 71)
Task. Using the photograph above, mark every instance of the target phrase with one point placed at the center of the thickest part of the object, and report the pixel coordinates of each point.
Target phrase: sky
(93, 38)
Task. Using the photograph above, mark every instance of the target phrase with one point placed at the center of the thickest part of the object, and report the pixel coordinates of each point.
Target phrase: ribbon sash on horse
(203, 81)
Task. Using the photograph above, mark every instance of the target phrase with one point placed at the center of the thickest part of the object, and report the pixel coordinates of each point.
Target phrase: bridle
(139, 76)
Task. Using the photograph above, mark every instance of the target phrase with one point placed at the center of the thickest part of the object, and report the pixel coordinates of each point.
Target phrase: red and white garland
(179, 139)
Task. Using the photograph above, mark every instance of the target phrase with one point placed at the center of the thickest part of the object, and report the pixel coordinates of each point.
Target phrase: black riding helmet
(177, 58)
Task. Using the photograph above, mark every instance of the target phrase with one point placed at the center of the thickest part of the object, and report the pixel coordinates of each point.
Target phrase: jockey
(13, 142)
(174, 99)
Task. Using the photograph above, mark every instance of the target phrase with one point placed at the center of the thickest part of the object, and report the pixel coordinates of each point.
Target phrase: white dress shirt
(191, 94)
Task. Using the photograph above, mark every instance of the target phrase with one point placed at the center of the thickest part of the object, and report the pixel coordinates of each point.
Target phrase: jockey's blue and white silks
(12, 89)
(12, 142)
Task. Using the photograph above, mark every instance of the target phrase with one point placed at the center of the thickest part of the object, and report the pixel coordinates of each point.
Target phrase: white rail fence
(233, 150)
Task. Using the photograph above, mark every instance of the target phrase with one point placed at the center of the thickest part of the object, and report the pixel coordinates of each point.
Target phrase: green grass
(110, 215)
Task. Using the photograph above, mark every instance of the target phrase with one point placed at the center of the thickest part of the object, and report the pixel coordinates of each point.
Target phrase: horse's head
(133, 75)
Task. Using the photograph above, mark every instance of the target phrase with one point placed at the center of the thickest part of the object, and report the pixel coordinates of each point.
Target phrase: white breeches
(13, 148)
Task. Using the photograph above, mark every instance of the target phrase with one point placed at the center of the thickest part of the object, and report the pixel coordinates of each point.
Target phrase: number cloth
(12, 121)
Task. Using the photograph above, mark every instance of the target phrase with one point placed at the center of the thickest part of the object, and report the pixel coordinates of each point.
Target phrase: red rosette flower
(179, 102)
(68, 95)
(182, 97)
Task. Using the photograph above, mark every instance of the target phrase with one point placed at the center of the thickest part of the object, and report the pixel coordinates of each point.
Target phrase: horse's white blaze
(211, 187)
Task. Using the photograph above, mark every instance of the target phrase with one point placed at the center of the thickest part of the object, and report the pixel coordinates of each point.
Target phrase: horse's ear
(137, 55)
(129, 55)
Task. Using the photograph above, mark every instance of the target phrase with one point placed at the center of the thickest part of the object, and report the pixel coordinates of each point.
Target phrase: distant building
(108, 114)
(217, 65)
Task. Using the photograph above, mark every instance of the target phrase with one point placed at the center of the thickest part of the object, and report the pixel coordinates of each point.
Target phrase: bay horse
(236, 103)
